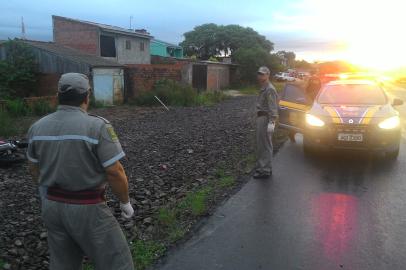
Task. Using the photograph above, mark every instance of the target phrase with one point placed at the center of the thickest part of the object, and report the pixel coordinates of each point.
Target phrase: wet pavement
(340, 211)
(335, 211)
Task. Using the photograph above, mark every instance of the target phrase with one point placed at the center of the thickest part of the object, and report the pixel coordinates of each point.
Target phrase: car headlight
(390, 123)
(314, 121)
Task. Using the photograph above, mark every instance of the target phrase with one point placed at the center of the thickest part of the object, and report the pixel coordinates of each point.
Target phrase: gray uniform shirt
(268, 101)
(72, 148)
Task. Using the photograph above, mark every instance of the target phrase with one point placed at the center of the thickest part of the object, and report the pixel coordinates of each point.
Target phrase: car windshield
(352, 94)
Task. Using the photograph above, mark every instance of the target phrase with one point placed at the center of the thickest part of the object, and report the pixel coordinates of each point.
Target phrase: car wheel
(392, 155)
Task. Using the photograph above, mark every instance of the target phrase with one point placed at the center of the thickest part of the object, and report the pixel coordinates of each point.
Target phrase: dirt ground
(168, 154)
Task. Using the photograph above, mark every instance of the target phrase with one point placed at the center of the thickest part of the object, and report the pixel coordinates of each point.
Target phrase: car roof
(349, 82)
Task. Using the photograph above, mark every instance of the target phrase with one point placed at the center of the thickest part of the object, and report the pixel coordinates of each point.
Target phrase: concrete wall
(218, 76)
(80, 36)
(134, 55)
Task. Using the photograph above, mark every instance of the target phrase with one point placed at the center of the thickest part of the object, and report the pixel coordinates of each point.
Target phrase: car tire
(393, 155)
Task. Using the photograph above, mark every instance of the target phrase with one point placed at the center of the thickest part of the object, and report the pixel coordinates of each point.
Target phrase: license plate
(350, 137)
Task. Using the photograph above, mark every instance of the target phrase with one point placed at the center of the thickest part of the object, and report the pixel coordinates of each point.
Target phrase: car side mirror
(397, 102)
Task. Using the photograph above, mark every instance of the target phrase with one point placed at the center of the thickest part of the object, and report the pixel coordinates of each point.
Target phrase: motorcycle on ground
(11, 152)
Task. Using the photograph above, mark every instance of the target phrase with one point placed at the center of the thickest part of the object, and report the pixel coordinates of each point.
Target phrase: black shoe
(259, 175)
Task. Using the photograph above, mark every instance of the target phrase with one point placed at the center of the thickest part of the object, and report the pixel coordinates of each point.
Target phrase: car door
(293, 105)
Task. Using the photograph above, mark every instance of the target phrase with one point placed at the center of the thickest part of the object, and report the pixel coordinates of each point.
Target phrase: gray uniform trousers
(76, 230)
(264, 146)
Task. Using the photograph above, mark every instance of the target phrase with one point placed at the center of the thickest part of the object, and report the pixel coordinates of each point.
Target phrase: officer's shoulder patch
(112, 133)
(97, 116)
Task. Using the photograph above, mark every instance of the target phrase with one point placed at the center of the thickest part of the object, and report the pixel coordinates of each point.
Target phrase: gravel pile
(168, 154)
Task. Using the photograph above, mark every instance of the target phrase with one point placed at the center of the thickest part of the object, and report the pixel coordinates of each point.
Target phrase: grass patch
(196, 202)
(8, 125)
(226, 182)
(167, 216)
(146, 252)
(2, 263)
(88, 266)
(173, 93)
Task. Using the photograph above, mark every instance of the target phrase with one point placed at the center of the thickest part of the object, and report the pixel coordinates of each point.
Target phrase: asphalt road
(338, 211)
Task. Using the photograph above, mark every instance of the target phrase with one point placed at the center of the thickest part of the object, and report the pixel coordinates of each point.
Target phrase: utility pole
(22, 28)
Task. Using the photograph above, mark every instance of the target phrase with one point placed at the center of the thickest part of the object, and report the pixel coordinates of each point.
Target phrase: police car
(350, 114)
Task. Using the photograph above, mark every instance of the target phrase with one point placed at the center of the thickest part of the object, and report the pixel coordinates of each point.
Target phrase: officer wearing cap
(267, 115)
(74, 155)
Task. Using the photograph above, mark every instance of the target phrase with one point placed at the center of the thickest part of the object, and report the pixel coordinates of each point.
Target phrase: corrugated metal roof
(110, 28)
(71, 54)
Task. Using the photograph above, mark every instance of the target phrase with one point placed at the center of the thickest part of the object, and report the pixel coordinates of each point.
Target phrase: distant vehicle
(346, 114)
(284, 77)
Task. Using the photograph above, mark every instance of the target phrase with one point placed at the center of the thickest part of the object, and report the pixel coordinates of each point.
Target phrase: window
(348, 94)
(107, 46)
(142, 46)
(294, 93)
(128, 44)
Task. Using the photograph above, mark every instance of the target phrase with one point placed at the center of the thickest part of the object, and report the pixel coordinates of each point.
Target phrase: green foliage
(17, 71)
(173, 93)
(196, 202)
(7, 125)
(226, 182)
(209, 40)
(167, 216)
(145, 252)
(289, 56)
(250, 59)
(88, 266)
(17, 108)
(41, 108)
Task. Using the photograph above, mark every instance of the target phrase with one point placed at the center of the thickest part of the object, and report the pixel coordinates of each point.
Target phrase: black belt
(89, 196)
(262, 113)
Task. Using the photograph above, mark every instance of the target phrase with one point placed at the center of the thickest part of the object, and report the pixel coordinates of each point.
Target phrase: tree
(250, 59)
(17, 71)
(210, 40)
(289, 57)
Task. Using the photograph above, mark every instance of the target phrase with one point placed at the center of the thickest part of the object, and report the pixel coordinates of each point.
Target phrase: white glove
(127, 210)
(271, 127)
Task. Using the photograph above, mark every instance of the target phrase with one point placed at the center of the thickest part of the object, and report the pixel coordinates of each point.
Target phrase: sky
(365, 32)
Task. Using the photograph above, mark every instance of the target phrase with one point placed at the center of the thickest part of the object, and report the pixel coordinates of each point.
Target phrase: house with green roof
(165, 49)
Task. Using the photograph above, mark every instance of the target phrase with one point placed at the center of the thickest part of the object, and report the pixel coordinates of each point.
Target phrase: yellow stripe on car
(334, 115)
(293, 105)
(368, 116)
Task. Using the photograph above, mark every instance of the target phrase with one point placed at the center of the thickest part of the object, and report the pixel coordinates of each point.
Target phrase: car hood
(362, 114)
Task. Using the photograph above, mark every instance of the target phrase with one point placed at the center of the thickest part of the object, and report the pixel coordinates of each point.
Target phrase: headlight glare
(390, 123)
(314, 121)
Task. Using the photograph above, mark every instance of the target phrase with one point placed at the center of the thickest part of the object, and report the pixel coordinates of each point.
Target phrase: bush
(173, 93)
(17, 108)
(7, 125)
(41, 108)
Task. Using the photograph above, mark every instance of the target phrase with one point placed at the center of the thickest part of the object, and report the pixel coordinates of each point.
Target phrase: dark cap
(73, 81)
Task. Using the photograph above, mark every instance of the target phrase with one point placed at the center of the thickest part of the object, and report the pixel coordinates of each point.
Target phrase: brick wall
(47, 84)
(80, 36)
(143, 77)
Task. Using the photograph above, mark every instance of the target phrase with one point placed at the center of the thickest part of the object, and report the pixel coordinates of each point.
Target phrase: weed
(88, 266)
(7, 125)
(17, 108)
(41, 108)
(226, 182)
(167, 217)
(145, 252)
(2, 263)
(196, 201)
(175, 234)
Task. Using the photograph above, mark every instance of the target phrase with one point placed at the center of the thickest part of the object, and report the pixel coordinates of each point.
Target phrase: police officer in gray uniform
(267, 115)
(74, 155)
